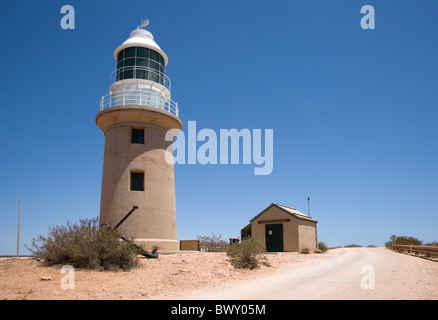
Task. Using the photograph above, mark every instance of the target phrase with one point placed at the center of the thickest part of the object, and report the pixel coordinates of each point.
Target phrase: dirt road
(352, 273)
(335, 274)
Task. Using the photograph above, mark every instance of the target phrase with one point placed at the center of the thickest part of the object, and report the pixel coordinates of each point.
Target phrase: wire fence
(213, 247)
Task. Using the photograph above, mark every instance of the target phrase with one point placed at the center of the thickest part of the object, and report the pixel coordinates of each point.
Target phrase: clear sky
(354, 111)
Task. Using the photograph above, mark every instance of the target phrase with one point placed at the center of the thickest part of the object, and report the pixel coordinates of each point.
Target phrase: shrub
(408, 241)
(84, 245)
(388, 245)
(353, 246)
(305, 251)
(404, 240)
(322, 246)
(247, 254)
(212, 243)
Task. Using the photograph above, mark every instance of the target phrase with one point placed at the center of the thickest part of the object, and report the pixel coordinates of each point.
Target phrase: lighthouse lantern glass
(140, 63)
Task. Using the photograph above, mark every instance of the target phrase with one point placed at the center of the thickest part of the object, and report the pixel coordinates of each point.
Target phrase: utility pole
(308, 205)
(18, 236)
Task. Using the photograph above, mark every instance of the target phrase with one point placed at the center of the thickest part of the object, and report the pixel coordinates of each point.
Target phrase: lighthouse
(134, 117)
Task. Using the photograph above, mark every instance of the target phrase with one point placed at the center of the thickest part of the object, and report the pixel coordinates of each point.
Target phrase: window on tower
(137, 136)
(137, 181)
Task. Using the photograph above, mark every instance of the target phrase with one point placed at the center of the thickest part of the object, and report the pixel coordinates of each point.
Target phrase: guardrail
(138, 97)
(415, 249)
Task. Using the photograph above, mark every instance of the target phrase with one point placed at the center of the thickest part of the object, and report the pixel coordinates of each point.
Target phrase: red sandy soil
(169, 275)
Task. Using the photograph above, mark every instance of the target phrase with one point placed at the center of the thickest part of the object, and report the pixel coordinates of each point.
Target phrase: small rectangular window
(137, 136)
(143, 52)
(154, 65)
(137, 183)
(130, 52)
(154, 56)
(155, 71)
(141, 62)
(129, 62)
(128, 74)
(120, 75)
(140, 74)
(121, 56)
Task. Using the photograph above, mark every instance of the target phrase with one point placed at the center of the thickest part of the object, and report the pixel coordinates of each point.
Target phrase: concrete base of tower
(162, 244)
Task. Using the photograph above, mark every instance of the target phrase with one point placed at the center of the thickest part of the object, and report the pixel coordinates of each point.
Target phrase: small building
(282, 228)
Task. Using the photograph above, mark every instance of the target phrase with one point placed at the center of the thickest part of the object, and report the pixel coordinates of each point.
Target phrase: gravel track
(349, 273)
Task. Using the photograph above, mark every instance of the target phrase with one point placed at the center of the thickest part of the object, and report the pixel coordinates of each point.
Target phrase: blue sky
(353, 112)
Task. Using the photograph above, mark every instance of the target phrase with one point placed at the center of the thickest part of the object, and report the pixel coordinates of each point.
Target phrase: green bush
(247, 254)
(388, 245)
(404, 240)
(408, 241)
(84, 245)
(322, 246)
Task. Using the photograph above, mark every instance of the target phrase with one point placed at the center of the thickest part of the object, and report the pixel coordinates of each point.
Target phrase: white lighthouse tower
(135, 116)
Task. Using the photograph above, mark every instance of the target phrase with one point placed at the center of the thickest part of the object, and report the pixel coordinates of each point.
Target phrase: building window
(137, 136)
(137, 183)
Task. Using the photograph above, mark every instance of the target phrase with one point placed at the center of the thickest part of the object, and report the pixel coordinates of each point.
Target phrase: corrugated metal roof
(292, 210)
(289, 210)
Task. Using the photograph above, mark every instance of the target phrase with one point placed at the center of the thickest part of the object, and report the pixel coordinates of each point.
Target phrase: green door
(274, 237)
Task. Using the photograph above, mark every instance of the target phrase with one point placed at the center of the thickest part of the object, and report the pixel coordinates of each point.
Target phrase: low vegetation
(353, 246)
(405, 241)
(322, 247)
(84, 245)
(247, 254)
(212, 243)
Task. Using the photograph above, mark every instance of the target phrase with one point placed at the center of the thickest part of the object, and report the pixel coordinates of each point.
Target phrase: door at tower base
(135, 172)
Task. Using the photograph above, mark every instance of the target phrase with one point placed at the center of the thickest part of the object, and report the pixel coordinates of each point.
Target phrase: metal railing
(142, 73)
(141, 97)
(415, 249)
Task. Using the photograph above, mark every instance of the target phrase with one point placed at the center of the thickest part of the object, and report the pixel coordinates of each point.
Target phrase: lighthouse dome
(141, 38)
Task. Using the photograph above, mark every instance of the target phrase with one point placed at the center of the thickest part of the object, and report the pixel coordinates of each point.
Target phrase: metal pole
(18, 235)
(308, 205)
